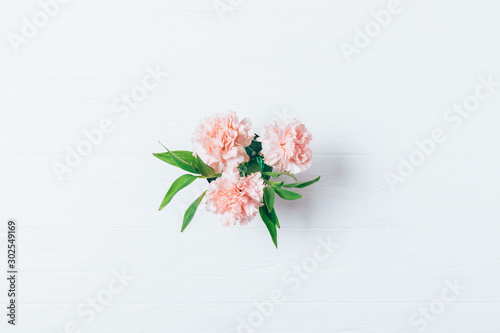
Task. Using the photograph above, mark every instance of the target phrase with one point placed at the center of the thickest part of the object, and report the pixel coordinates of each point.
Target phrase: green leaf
(179, 161)
(303, 184)
(287, 195)
(254, 149)
(243, 169)
(186, 158)
(188, 216)
(252, 166)
(277, 174)
(274, 184)
(272, 174)
(289, 175)
(213, 177)
(176, 186)
(204, 169)
(263, 166)
(275, 218)
(269, 197)
(271, 226)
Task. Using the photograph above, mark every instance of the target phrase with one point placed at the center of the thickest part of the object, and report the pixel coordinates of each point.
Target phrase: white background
(396, 248)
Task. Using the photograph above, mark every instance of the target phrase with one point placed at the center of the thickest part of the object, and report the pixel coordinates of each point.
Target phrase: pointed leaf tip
(176, 186)
(271, 226)
(188, 216)
(287, 195)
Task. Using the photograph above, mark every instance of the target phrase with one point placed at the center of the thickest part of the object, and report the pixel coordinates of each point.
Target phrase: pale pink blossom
(285, 145)
(219, 140)
(236, 198)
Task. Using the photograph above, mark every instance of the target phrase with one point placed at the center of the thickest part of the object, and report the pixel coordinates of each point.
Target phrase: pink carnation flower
(236, 198)
(285, 145)
(219, 140)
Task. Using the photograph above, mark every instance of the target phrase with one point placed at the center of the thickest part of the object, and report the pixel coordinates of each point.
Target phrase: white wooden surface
(396, 248)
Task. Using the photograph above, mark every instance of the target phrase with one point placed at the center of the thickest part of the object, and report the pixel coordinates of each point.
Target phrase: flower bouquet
(239, 164)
